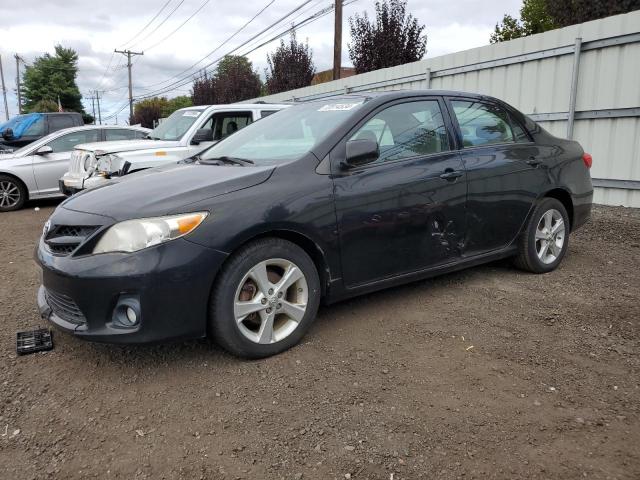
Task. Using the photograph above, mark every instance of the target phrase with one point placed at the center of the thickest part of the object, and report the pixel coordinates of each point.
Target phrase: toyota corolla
(319, 202)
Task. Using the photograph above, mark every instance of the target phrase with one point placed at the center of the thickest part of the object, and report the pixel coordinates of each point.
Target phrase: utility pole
(93, 108)
(4, 91)
(17, 57)
(337, 40)
(129, 53)
(98, 100)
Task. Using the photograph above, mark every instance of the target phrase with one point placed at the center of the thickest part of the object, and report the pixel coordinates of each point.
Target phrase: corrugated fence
(581, 81)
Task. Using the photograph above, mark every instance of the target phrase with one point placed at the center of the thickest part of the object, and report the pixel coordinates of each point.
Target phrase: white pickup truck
(186, 132)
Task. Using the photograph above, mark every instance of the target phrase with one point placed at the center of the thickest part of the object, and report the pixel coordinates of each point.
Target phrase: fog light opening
(127, 313)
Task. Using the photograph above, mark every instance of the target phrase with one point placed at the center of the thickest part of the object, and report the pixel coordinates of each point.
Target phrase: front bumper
(171, 283)
(70, 184)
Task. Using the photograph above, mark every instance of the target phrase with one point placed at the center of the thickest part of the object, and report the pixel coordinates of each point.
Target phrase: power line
(159, 25)
(181, 25)
(149, 23)
(181, 82)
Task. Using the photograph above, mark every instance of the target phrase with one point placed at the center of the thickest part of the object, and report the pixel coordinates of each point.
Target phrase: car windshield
(176, 125)
(286, 135)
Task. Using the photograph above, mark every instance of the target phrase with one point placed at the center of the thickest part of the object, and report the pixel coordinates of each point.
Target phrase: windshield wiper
(225, 159)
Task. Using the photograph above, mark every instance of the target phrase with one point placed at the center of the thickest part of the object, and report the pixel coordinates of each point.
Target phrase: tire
(532, 255)
(13, 194)
(241, 287)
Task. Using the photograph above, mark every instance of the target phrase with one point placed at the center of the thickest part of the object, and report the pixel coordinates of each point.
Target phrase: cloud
(94, 29)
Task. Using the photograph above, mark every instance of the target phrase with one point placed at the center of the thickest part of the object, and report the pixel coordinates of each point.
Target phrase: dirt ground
(486, 373)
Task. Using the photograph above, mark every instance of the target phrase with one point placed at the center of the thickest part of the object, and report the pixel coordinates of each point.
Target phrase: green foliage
(394, 39)
(570, 12)
(534, 18)
(50, 77)
(290, 66)
(148, 111)
(233, 81)
(44, 106)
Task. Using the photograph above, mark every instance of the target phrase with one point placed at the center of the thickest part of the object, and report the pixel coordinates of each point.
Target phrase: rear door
(406, 211)
(49, 168)
(505, 172)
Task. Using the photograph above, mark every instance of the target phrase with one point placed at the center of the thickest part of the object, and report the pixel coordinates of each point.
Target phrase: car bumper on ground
(167, 286)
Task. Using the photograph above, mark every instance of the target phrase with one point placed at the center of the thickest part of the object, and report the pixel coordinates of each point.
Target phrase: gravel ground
(485, 373)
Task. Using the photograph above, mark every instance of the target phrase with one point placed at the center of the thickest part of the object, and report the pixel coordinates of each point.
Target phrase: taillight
(587, 159)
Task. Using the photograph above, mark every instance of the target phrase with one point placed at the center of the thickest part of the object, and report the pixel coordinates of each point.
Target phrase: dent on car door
(505, 173)
(48, 168)
(399, 215)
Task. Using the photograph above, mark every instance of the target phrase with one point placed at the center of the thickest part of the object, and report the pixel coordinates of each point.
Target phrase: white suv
(185, 133)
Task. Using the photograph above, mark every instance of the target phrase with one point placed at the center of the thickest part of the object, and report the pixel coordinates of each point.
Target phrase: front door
(406, 211)
(49, 168)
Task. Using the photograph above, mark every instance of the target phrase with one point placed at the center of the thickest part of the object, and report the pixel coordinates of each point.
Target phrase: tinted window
(519, 132)
(482, 123)
(36, 128)
(58, 122)
(407, 130)
(66, 142)
(266, 113)
(120, 134)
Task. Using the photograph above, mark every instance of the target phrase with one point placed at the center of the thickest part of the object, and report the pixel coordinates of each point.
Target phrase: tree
(147, 112)
(394, 39)
(235, 80)
(570, 12)
(203, 91)
(50, 77)
(534, 18)
(290, 66)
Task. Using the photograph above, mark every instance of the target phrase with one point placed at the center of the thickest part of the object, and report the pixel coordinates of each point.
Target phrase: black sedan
(319, 202)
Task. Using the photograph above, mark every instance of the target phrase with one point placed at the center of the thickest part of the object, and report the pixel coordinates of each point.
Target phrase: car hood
(165, 190)
(127, 145)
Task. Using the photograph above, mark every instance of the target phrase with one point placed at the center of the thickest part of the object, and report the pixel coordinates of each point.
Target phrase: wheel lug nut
(268, 310)
(271, 291)
(263, 301)
(279, 294)
(279, 305)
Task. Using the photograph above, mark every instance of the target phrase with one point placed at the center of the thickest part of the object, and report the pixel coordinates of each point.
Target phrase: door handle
(450, 174)
(534, 162)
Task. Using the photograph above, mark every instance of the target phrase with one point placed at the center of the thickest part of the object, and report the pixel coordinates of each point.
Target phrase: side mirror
(361, 151)
(202, 135)
(7, 134)
(44, 150)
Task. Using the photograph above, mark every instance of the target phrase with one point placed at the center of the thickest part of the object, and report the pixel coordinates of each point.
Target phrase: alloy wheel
(550, 236)
(270, 301)
(9, 194)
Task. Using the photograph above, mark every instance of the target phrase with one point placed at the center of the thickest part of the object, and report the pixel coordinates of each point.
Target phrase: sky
(176, 34)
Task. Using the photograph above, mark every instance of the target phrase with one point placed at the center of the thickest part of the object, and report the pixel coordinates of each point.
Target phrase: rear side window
(58, 122)
(482, 123)
(119, 134)
(266, 113)
(229, 123)
(407, 130)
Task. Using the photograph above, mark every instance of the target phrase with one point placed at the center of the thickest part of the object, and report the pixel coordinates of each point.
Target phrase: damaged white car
(185, 133)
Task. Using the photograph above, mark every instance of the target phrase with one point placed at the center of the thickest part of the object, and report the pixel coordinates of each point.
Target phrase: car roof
(237, 106)
(396, 94)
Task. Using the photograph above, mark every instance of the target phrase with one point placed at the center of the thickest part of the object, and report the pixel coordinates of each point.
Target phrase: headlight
(108, 163)
(133, 235)
(89, 162)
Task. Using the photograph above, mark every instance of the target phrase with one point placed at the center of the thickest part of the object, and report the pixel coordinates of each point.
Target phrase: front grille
(65, 239)
(65, 308)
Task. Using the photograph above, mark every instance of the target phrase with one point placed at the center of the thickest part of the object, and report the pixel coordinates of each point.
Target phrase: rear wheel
(546, 238)
(265, 299)
(13, 194)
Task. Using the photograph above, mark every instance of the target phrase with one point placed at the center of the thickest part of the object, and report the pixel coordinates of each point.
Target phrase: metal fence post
(427, 78)
(574, 87)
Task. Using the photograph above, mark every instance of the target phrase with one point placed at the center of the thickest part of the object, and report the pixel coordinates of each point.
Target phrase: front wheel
(545, 239)
(264, 299)
(12, 194)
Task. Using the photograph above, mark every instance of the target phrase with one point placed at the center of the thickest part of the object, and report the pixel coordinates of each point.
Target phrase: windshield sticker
(338, 107)
(191, 113)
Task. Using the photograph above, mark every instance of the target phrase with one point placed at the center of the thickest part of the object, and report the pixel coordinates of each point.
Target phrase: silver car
(33, 171)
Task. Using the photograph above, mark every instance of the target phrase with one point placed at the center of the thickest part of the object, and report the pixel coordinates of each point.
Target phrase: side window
(482, 123)
(58, 122)
(518, 131)
(139, 134)
(119, 134)
(407, 130)
(35, 129)
(266, 113)
(65, 143)
(229, 123)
